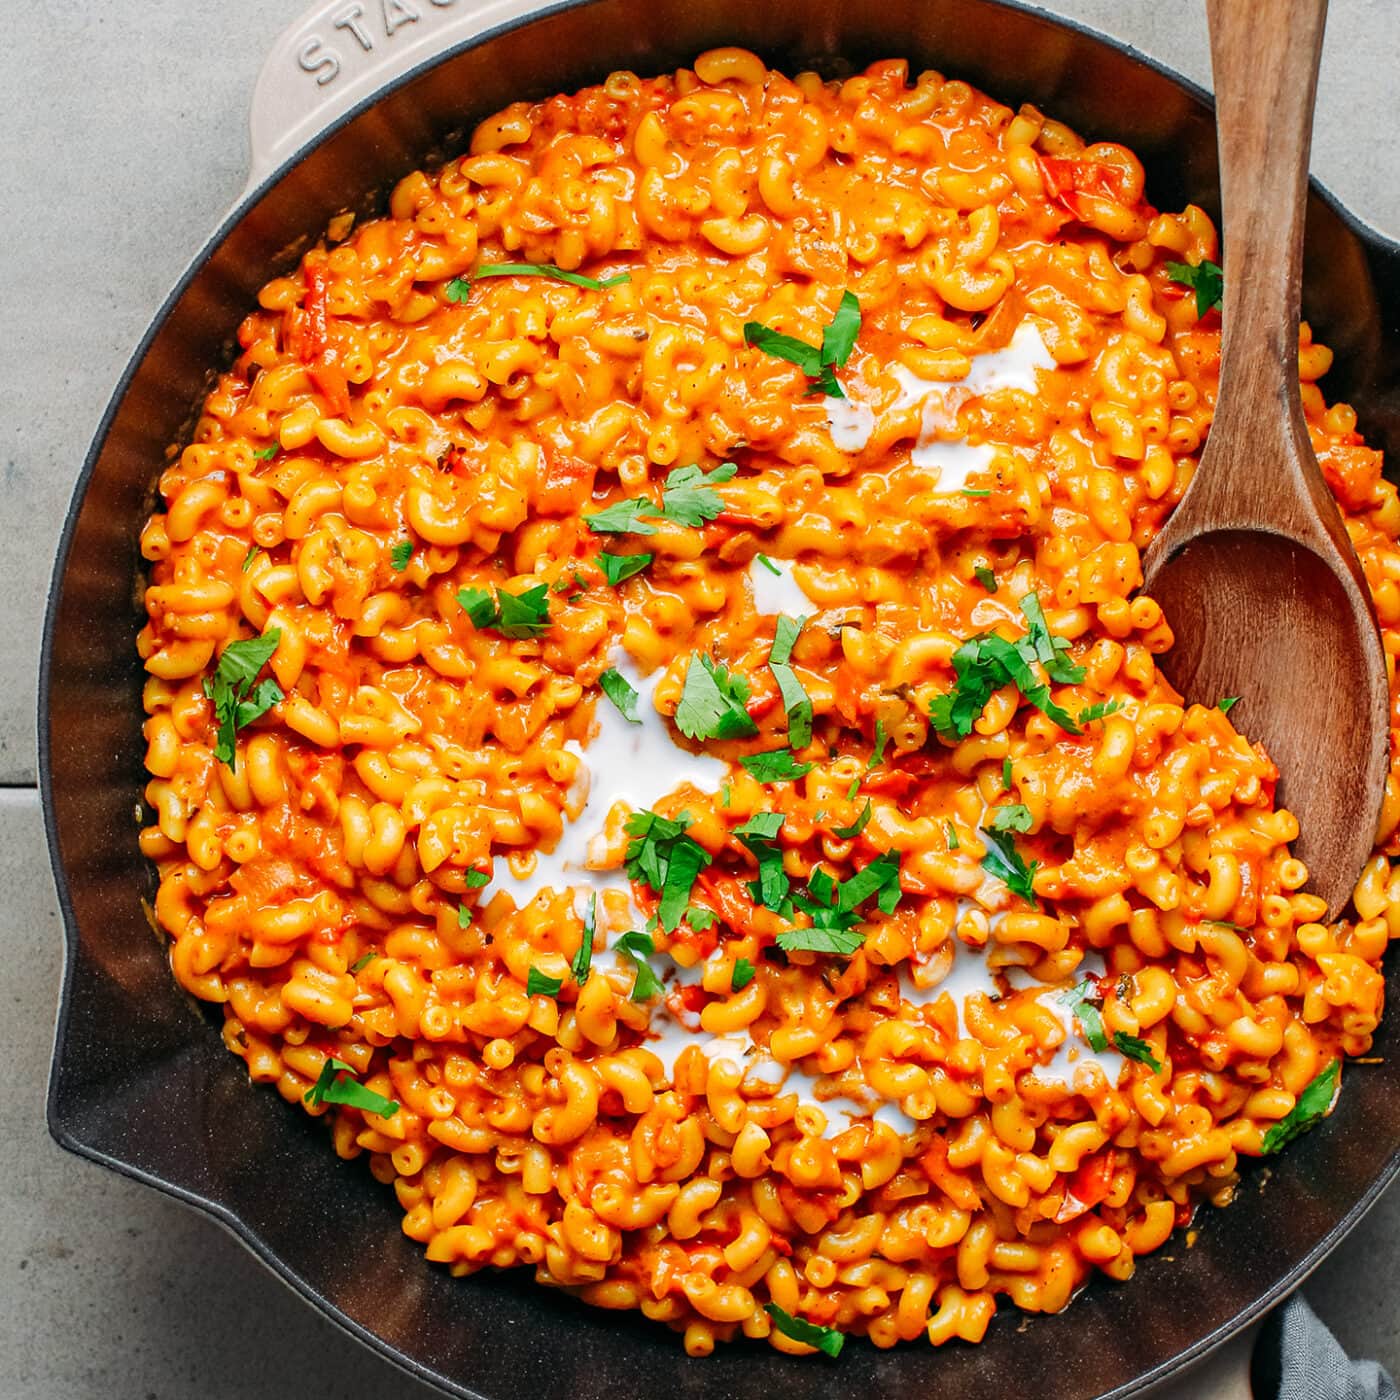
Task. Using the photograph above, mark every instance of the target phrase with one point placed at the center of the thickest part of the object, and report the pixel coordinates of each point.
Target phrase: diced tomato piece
(1087, 1187)
(331, 381)
(565, 484)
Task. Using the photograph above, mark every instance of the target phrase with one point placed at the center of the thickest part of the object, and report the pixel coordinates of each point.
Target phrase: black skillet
(140, 1079)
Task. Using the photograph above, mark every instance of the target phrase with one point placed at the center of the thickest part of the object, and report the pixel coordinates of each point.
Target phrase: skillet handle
(342, 51)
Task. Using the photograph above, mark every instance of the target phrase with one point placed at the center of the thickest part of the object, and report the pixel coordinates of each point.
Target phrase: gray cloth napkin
(1297, 1358)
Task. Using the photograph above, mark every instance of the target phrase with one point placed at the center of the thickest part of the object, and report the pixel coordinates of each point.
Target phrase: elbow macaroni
(314, 888)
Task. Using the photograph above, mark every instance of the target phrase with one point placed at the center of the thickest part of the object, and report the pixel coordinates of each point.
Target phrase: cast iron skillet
(140, 1079)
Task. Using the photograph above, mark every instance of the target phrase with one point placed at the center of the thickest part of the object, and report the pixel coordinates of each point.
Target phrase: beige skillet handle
(338, 54)
(341, 51)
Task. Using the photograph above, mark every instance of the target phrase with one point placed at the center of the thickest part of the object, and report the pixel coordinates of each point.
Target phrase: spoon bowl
(1255, 571)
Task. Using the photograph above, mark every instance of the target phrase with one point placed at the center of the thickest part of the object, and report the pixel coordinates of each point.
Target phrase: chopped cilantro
(953, 843)
(638, 947)
(700, 918)
(400, 554)
(743, 974)
(1098, 710)
(796, 701)
(769, 564)
(363, 962)
(513, 615)
(617, 567)
(818, 364)
(877, 755)
(1205, 278)
(986, 578)
(1227, 704)
(825, 1339)
(975, 491)
(333, 1087)
(1005, 862)
(620, 691)
(985, 663)
(464, 916)
(688, 499)
(540, 984)
(253, 552)
(1006, 773)
(759, 835)
(847, 833)
(775, 766)
(661, 854)
(833, 908)
(266, 454)
(1313, 1104)
(462, 285)
(237, 701)
(852, 788)
(1082, 1000)
(1136, 1049)
(712, 702)
(583, 960)
(1016, 817)
(476, 879)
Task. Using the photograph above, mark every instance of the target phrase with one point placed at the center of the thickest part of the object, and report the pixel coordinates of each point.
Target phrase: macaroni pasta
(663, 746)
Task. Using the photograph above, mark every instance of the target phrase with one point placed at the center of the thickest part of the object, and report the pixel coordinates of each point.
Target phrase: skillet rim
(1376, 242)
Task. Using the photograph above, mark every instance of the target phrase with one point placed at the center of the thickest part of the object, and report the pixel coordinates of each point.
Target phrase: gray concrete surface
(123, 142)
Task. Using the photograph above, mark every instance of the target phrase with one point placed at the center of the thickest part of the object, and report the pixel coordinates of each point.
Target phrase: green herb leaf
(583, 959)
(1006, 773)
(458, 289)
(266, 454)
(687, 498)
(556, 274)
(953, 843)
(253, 552)
(796, 702)
(1013, 818)
(464, 916)
(623, 518)
(476, 879)
(229, 689)
(1205, 278)
(775, 766)
(620, 691)
(1005, 863)
(700, 918)
(877, 756)
(712, 702)
(769, 564)
(1082, 1001)
(847, 833)
(838, 340)
(638, 947)
(841, 942)
(661, 854)
(1050, 650)
(825, 1339)
(361, 963)
(513, 615)
(400, 554)
(539, 984)
(1098, 710)
(1136, 1049)
(759, 834)
(333, 1087)
(986, 578)
(879, 879)
(1312, 1105)
(985, 663)
(1227, 704)
(743, 974)
(852, 788)
(617, 567)
(840, 334)
(975, 491)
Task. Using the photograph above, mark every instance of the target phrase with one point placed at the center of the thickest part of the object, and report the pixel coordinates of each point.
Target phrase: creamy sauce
(635, 764)
(957, 461)
(777, 593)
(850, 421)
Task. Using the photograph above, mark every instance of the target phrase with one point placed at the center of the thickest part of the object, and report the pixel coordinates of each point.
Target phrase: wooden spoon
(1255, 570)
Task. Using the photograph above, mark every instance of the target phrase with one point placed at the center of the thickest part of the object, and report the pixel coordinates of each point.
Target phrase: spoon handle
(1264, 54)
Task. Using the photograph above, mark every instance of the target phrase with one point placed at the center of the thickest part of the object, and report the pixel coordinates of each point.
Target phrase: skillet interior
(141, 1081)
